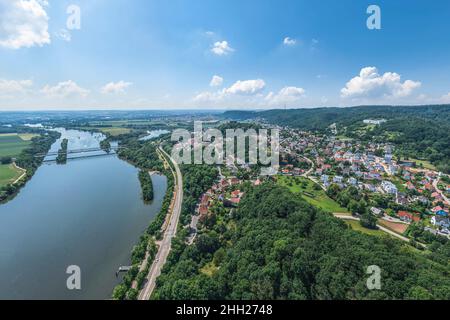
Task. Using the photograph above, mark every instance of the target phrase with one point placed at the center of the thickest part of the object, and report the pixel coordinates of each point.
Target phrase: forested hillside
(277, 246)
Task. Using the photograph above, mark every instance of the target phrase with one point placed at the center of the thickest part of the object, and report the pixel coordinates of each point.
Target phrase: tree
(368, 221)
(119, 292)
(5, 160)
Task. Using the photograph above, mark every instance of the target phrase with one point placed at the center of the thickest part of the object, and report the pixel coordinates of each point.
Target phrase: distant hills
(321, 118)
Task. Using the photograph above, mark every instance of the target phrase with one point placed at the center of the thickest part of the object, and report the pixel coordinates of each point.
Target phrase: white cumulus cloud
(370, 84)
(8, 87)
(238, 92)
(207, 97)
(285, 96)
(289, 42)
(23, 23)
(247, 87)
(221, 48)
(216, 81)
(115, 87)
(64, 89)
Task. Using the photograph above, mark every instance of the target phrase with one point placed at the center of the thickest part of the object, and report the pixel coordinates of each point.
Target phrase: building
(376, 211)
(408, 217)
(338, 179)
(439, 221)
(389, 187)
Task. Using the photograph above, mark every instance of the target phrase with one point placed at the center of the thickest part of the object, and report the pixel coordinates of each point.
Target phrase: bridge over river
(80, 153)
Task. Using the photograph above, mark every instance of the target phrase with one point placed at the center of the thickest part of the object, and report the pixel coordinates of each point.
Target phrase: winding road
(169, 234)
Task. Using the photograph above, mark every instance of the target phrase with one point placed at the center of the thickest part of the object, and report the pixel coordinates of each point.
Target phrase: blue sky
(135, 54)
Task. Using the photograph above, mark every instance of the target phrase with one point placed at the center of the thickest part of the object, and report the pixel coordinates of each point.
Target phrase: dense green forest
(27, 159)
(276, 246)
(421, 132)
(142, 154)
(146, 185)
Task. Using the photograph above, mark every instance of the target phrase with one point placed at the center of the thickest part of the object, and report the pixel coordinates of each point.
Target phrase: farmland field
(11, 145)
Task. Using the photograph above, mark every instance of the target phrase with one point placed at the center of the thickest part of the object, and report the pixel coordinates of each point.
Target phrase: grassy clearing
(115, 131)
(313, 196)
(209, 269)
(426, 164)
(11, 145)
(8, 174)
(355, 225)
(27, 136)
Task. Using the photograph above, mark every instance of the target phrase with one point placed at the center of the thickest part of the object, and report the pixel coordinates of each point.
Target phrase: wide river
(87, 213)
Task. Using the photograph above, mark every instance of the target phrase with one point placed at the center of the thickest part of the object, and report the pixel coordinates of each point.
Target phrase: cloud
(23, 23)
(216, 81)
(64, 89)
(370, 84)
(289, 42)
(115, 87)
(247, 87)
(445, 98)
(9, 87)
(207, 97)
(285, 96)
(221, 48)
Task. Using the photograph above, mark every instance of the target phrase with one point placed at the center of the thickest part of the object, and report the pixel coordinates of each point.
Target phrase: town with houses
(401, 192)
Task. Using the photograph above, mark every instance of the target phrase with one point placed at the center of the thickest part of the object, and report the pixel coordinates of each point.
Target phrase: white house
(389, 187)
(374, 121)
(440, 221)
(338, 179)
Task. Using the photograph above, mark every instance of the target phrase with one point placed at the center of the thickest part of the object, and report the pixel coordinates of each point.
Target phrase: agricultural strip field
(11, 145)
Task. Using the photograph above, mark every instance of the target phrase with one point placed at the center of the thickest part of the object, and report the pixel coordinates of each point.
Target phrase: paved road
(345, 217)
(169, 234)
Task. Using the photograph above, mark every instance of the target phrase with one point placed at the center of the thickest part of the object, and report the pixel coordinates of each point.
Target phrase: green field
(113, 131)
(426, 164)
(8, 174)
(11, 145)
(317, 198)
(355, 225)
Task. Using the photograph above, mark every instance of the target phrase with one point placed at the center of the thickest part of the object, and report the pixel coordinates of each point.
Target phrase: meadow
(311, 192)
(8, 174)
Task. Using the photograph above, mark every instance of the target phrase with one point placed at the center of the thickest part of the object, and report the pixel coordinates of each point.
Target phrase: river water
(87, 213)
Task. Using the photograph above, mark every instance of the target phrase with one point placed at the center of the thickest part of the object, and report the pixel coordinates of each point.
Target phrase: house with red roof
(408, 217)
(236, 194)
(436, 209)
